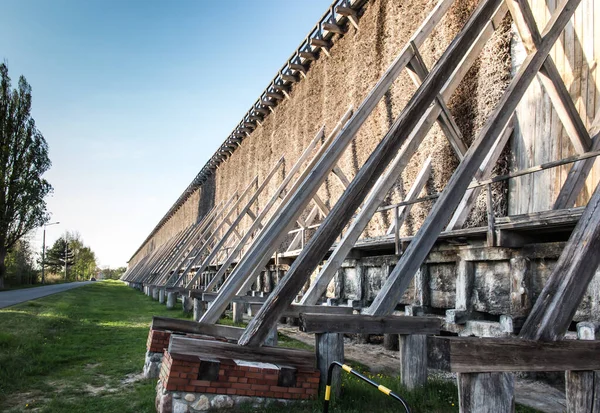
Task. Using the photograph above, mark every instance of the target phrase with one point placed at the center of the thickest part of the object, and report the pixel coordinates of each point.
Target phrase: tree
(23, 161)
(59, 255)
(20, 264)
(113, 274)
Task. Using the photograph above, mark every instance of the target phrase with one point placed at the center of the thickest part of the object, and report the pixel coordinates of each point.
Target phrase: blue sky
(134, 96)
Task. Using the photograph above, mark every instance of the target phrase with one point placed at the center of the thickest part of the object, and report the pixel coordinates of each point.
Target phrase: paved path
(8, 298)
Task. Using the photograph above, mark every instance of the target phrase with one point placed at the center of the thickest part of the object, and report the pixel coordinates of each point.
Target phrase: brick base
(235, 377)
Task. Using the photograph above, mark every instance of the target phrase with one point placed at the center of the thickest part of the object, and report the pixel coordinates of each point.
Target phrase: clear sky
(134, 97)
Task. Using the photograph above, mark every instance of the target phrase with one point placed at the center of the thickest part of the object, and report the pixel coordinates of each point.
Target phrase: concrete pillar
(238, 312)
(161, 295)
(155, 293)
(187, 304)
(171, 300)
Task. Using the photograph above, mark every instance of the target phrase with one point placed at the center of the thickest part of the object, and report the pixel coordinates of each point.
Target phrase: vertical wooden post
(238, 312)
(330, 348)
(520, 301)
(199, 308)
(465, 274)
(390, 342)
(171, 300)
(413, 360)
(486, 392)
(583, 387)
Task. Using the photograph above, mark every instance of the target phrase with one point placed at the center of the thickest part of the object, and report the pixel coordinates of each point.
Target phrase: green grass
(73, 351)
(56, 352)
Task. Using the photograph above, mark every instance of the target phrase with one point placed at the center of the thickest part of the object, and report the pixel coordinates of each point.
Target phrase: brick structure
(158, 341)
(235, 377)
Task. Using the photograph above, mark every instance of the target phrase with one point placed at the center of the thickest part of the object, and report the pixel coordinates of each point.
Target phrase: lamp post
(44, 247)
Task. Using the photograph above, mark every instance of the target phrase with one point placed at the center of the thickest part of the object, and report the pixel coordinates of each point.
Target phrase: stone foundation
(152, 365)
(184, 402)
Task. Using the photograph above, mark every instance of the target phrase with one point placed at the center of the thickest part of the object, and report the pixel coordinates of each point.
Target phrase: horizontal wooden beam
(294, 310)
(365, 324)
(210, 349)
(210, 297)
(479, 355)
(192, 327)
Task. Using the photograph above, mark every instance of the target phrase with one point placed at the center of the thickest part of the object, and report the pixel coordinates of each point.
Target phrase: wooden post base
(330, 348)
(413, 360)
(486, 392)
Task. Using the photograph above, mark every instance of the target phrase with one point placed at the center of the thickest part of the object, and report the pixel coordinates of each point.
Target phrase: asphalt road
(8, 298)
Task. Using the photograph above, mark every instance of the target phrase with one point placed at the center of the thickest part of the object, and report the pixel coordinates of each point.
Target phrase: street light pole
(44, 248)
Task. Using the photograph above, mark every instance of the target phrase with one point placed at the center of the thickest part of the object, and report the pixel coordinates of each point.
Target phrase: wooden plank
(364, 324)
(579, 172)
(274, 233)
(413, 360)
(191, 327)
(399, 279)
(558, 301)
(480, 355)
(210, 297)
(372, 169)
(550, 78)
(210, 350)
(329, 347)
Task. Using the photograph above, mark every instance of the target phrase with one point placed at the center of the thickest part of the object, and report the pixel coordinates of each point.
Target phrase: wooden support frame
(273, 234)
(394, 140)
(400, 277)
(176, 325)
(232, 228)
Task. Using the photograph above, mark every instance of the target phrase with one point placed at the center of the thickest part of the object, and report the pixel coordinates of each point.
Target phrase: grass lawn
(83, 350)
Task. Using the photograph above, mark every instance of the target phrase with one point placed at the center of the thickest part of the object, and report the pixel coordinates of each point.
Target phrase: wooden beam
(399, 279)
(289, 77)
(349, 13)
(211, 349)
(307, 55)
(232, 228)
(480, 355)
(557, 303)
(270, 237)
(367, 176)
(275, 95)
(579, 172)
(333, 28)
(191, 327)
(365, 324)
(263, 213)
(550, 78)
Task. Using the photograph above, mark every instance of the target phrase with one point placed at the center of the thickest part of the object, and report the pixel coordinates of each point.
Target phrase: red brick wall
(158, 341)
(182, 375)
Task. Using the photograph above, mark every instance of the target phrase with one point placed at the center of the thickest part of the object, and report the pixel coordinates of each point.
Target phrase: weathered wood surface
(413, 360)
(210, 297)
(329, 347)
(476, 355)
(486, 392)
(582, 391)
(271, 236)
(363, 324)
(556, 305)
(400, 278)
(211, 349)
(371, 170)
(220, 244)
(192, 327)
(265, 210)
(295, 310)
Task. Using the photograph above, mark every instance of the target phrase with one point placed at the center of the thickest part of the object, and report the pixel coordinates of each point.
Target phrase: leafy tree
(60, 255)
(80, 259)
(113, 274)
(20, 264)
(23, 161)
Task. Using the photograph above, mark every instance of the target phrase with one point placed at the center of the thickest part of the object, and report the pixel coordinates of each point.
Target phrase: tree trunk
(2, 266)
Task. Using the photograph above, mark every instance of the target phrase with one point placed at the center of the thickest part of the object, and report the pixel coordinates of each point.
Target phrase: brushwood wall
(340, 81)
